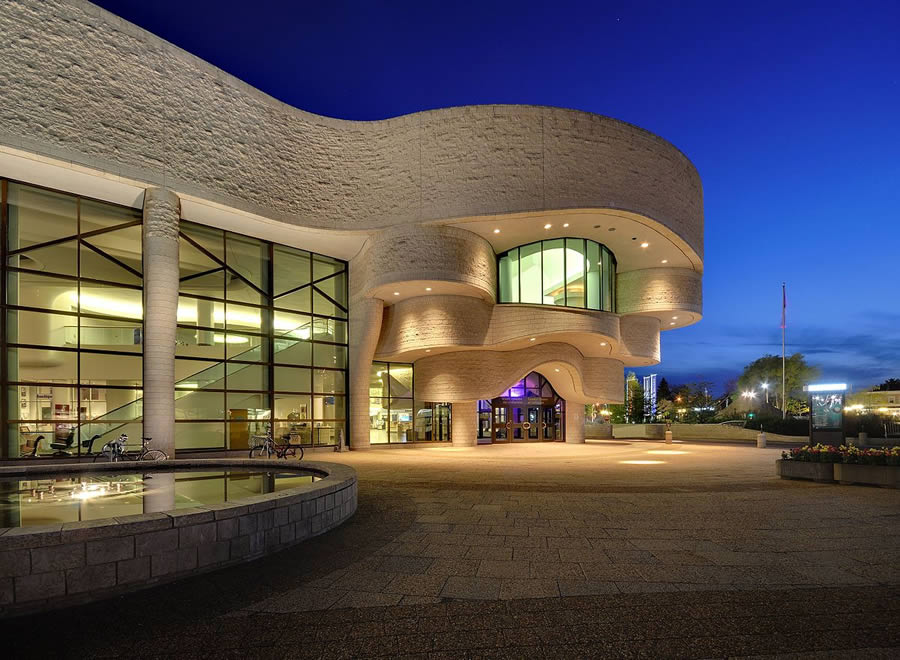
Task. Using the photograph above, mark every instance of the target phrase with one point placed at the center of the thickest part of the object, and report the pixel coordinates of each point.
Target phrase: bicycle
(267, 447)
(115, 451)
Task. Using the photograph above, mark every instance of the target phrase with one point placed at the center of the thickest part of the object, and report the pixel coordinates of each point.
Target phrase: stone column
(162, 211)
(464, 423)
(365, 328)
(574, 422)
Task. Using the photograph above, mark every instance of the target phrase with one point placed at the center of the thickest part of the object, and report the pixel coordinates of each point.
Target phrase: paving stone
(471, 587)
(528, 588)
(504, 568)
(454, 567)
(416, 585)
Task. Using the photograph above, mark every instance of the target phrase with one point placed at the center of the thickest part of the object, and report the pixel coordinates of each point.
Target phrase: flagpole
(783, 374)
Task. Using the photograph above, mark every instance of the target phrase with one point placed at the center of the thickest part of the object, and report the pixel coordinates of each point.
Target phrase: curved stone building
(473, 274)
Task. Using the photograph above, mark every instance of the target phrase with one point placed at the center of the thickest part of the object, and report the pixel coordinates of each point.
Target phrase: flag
(783, 307)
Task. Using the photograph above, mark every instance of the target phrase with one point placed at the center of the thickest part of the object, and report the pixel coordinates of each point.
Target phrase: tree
(767, 369)
(890, 385)
(663, 391)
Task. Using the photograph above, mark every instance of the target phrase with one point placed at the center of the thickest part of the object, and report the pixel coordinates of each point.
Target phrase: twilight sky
(790, 111)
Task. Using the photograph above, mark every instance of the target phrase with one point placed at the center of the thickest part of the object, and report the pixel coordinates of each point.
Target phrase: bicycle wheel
(300, 457)
(288, 451)
(154, 455)
(256, 452)
(100, 455)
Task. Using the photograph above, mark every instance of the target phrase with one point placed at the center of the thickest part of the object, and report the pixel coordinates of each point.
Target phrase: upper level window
(570, 272)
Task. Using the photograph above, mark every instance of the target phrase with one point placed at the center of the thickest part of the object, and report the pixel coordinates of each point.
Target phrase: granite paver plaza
(549, 550)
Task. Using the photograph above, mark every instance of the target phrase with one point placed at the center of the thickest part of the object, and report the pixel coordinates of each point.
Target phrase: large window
(394, 415)
(262, 338)
(570, 272)
(72, 321)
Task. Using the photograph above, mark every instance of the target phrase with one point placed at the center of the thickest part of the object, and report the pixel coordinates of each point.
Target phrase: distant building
(877, 401)
(650, 396)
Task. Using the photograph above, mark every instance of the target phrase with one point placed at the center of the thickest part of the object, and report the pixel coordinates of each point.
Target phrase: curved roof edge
(147, 110)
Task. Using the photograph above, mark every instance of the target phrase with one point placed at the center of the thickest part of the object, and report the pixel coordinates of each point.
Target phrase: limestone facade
(418, 205)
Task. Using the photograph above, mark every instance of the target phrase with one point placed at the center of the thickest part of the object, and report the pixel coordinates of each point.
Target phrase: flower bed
(827, 463)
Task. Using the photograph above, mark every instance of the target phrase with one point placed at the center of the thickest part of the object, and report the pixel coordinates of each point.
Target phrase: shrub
(831, 454)
(789, 426)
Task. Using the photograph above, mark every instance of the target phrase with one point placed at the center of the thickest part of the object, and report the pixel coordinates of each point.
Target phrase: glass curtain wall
(72, 322)
(394, 415)
(262, 342)
(570, 272)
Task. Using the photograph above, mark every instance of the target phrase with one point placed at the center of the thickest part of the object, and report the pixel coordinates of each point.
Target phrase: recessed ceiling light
(496, 231)
(603, 343)
(566, 224)
(547, 226)
(557, 371)
(665, 261)
(428, 350)
(532, 339)
(598, 226)
(645, 244)
(611, 229)
(674, 318)
(428, 288)
(672, 323)
(396, 293)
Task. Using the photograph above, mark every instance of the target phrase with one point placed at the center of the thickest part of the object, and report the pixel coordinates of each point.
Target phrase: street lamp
(748, 394)
(765, 386)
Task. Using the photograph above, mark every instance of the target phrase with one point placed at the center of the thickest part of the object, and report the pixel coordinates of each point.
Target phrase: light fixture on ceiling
(547, 226)
(557, 370)
(645, 244)
(428, 350)
(664, 261)
(532, 339)
(674, 318)
(598, 226)
(611, 229)
(396, 293)
(428, 288)
(672, 323)
(603, 343)
(565, 224)
(496, 231)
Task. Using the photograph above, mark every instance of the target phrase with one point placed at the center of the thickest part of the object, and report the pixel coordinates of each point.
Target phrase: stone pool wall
(70, 563)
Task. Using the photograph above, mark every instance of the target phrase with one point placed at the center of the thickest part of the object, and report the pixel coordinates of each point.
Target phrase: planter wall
(820, 472)
(886, 476)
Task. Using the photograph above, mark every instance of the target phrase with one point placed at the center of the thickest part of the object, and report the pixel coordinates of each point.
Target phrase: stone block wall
(69, 563)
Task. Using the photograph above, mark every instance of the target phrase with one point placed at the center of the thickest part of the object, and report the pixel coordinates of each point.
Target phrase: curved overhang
(432, 325)
(473, 375)
(625, 233)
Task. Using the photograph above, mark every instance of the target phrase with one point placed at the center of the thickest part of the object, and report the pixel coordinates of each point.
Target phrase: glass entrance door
(529, 411)
(501, 423)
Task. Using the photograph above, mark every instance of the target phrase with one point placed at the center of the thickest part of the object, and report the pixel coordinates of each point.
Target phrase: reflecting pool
(72, 497)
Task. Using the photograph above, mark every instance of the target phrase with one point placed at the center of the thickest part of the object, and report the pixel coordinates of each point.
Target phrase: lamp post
(765, 386)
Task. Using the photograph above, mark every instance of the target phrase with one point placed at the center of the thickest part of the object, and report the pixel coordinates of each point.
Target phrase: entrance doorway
(529, 411)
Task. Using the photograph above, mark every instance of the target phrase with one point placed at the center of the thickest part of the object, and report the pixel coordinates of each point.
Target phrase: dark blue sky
(790, 111)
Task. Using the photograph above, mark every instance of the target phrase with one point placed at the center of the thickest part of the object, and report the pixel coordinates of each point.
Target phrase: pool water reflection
(70, 497)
